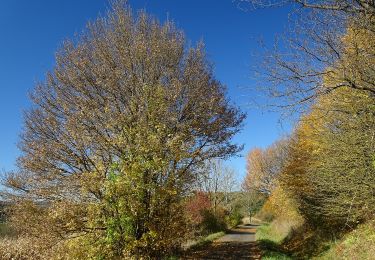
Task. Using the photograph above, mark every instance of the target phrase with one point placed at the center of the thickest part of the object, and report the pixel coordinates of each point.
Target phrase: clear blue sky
(31, 32)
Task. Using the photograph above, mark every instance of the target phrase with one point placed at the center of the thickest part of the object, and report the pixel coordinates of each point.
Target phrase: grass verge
(197, 245)
(207, 240)
(357, 244)
(270, 241)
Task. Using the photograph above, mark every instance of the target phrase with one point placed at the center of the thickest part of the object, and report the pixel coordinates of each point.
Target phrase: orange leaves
(264, 166)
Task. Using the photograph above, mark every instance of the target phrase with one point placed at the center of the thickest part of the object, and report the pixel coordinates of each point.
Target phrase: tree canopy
(115, 136)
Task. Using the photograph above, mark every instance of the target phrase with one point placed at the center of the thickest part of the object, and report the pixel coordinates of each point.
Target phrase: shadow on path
(227, 250)
(238, 243)
(249, 229)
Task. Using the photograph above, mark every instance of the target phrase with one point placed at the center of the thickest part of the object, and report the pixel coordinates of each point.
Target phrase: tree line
(324, 172)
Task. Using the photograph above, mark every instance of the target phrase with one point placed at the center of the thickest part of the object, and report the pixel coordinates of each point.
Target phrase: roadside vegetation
(206, 240)
(320, 180)
(122, 149)
(357, 244)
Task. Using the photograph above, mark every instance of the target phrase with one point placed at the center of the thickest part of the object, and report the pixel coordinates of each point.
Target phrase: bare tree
(252, 201)
(218, 182)
(305, 61)
(346, 6)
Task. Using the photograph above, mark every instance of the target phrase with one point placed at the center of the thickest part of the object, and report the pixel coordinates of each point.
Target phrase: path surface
(238, 243)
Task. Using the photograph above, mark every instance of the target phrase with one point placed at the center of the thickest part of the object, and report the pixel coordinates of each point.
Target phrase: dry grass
(271, 237)
(17, 248)
(358, 244)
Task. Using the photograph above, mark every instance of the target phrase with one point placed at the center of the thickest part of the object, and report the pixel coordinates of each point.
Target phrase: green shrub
(265, 216)
(213, 222)
(234, 219)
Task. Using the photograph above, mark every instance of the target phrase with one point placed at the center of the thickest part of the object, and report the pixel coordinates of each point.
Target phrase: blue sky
(31, 32)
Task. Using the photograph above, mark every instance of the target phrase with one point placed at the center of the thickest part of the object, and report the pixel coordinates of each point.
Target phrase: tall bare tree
(114, 138)
(302, 64)
(218, 181)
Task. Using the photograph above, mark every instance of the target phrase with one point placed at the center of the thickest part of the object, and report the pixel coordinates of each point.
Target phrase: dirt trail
(238, 243)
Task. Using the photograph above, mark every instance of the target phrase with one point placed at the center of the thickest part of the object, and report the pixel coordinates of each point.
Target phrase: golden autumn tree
(114, 138)
(264, 166)
(323, 66)
(331, 170)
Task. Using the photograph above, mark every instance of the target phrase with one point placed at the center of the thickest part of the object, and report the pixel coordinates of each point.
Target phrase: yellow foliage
(281, 205)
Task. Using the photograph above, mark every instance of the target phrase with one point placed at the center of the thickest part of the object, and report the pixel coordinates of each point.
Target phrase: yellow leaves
(172, 192)
(265, 165)
(357, 39)
(281, 205)
(112, 132)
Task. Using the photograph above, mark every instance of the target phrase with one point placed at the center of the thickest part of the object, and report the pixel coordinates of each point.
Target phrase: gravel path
(238, 243)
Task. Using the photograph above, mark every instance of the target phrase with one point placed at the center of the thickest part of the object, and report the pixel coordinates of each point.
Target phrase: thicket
(206, 219)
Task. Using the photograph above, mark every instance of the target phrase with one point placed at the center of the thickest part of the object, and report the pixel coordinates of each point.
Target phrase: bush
(283, 216)
(265, 214)
(213, 222)
(234, 219)
(195, 205)
(280, 205)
